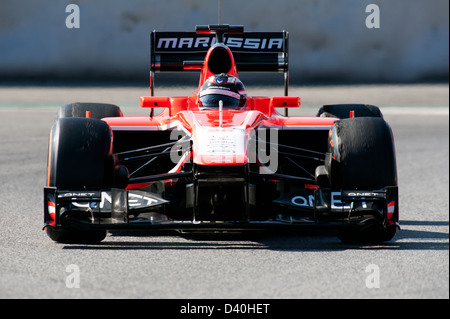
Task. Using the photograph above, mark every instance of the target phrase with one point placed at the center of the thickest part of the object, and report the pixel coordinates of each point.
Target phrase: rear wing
(252, 51)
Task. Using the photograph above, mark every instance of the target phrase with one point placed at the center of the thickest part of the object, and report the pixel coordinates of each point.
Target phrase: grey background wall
(329, 38)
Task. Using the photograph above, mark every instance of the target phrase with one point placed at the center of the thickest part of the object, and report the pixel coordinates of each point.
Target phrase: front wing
(119, 209)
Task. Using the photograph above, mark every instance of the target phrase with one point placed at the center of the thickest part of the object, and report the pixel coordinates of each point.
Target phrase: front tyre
(363, 154)
(80, 158)
(363, 158)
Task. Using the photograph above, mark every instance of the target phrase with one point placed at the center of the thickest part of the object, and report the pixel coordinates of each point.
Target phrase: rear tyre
(97, 110)
(343, 111)
(362, 158)
(80, 158)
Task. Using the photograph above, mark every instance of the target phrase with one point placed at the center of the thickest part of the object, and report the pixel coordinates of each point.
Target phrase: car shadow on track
(412, 236)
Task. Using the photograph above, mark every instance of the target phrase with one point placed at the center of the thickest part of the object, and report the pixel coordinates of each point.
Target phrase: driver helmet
(223, 87)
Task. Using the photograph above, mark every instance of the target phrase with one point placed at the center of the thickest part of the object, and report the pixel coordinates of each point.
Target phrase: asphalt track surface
(308, 265)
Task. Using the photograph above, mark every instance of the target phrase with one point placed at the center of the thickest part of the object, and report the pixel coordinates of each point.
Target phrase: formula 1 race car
(220, 160)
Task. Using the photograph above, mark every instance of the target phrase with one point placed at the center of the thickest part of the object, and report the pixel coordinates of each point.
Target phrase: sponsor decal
(247, 42)
(339, 201)
(77, 194)
(303, 201)
(104, 200)
(336, 202)
(364, 194)
(221, 142)
(139, 201)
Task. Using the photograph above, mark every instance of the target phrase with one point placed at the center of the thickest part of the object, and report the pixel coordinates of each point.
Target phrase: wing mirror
(155, 102)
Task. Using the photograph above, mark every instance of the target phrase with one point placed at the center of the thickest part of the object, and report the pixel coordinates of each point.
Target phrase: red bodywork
(183, 113)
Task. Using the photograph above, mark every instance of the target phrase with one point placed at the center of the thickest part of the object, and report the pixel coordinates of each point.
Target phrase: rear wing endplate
(252, 51)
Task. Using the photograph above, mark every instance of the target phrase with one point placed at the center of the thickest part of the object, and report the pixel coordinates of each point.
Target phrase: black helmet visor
(212, 100)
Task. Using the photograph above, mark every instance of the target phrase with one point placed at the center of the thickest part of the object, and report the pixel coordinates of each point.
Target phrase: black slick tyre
(363, 154)
(80, 158)
(96, 110)
(79, 155)
(362, 158)
(343, 111)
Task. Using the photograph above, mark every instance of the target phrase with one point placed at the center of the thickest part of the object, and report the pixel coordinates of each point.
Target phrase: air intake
(220, 60)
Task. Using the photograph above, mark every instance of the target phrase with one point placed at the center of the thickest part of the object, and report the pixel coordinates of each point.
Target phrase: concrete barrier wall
(329, 38)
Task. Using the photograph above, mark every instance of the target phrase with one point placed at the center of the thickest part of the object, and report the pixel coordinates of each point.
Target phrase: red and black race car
(220, 160)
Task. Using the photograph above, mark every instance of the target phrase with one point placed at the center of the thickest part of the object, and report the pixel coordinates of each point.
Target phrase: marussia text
(206, 42)
(239, 308)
